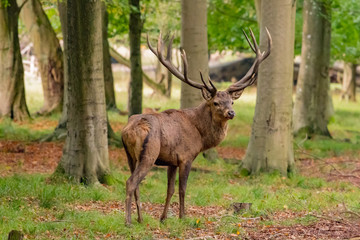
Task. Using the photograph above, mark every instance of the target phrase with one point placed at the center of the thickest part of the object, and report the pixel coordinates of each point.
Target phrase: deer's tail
(131, 162)
(135, 138)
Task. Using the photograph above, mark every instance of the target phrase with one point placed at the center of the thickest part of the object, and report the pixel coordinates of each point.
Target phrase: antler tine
(212, 85)
(160, 47)
(247, 39)
(185, 66)
(251, 76)
(255, 43)
(211, 89)
(168, 64)
(267, 53)
(150, 47)
(168, 54)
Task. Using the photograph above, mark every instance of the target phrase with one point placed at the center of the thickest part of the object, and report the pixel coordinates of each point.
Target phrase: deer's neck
(212, 131)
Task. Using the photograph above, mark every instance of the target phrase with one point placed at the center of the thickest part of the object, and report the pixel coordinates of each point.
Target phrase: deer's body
(174, 138)
(182, 134)
(171, 138)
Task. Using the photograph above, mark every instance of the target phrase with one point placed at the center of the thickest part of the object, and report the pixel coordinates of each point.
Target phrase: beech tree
(312, 104)
(194, 42)
(85, 154)
(349, 82)
(48, 53)
(61, 129)
(12, 90)
(270, 147)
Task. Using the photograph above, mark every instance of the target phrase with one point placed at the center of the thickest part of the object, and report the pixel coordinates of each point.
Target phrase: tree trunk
(85, 154)
(108, 76)
(12, 91)
(194, 42)
(311, 109)
(48, 53)
(349, 82)
(258, 10)
(136, 84)
(270, 147)
(61, 129)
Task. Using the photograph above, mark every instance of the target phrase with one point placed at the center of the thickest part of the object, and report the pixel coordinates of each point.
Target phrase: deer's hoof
(162, 219)
(128, 223)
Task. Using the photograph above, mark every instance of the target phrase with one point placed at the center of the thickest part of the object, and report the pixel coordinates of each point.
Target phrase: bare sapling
(174, 138)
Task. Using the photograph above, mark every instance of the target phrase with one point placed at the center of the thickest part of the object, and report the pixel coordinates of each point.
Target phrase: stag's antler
(168, 64)
(251, 76)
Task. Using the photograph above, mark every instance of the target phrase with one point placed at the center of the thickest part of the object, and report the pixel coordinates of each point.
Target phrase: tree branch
(22, 5)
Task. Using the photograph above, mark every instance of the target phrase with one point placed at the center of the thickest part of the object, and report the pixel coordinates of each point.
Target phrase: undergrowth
(42, 209)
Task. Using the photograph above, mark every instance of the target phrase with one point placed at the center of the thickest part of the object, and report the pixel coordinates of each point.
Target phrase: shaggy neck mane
(211, 131)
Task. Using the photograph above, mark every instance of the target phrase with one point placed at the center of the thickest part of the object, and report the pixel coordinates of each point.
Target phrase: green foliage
(51, 10)
(10, 130)
(118, 19)
(226, 20)
(345, 36)
(4, 3)
(163, 16)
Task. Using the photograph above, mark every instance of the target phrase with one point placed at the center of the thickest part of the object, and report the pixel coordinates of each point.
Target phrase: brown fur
(173, 138)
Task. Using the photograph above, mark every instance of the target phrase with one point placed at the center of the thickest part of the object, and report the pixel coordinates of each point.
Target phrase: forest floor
(21, 157)
(321, 200)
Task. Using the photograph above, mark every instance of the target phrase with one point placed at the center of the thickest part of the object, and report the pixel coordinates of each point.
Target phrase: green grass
(10, 130)
(27, 198)
(43, 209)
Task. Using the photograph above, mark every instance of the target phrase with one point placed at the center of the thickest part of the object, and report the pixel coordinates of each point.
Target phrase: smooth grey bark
(271, 147)
(60, 131)
(136, 83)
(48, 54)
(258, 10)
(312, 107)
(12, 90)
(194, 42)
(85, 153)
(349, 82)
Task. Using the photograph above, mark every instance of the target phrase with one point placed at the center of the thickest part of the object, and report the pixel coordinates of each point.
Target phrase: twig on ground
(329, 218)
(203, 237)
(301, 150)
(352, 213)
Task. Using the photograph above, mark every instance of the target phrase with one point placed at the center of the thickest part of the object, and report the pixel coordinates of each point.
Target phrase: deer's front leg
(171, 174)
(184, 170)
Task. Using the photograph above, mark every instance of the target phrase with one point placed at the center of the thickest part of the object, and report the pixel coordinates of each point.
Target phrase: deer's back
(179, 138)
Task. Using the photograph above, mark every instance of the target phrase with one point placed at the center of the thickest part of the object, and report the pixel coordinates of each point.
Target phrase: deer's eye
(232, 102)
(216, 104)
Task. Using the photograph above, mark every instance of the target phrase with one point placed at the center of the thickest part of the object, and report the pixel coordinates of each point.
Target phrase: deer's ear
(206, 94)
(236, 94)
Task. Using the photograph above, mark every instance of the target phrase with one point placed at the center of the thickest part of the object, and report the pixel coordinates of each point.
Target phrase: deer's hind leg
(146, 158)
(132, 165)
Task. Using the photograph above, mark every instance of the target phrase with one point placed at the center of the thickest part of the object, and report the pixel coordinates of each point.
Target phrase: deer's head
(220, 102)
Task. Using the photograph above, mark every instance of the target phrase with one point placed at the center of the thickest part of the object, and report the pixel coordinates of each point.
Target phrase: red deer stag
(174, 138)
